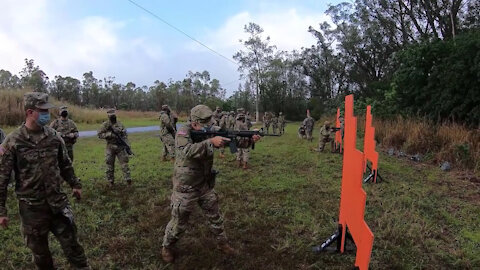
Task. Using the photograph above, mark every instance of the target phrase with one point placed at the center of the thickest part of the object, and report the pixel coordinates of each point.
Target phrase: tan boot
(227, 249)
(167, 255)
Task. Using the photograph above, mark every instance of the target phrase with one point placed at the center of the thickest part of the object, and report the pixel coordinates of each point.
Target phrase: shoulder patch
(182, 132)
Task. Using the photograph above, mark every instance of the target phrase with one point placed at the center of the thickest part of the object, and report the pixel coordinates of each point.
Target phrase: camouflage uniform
(301, 132)
(274, 124)
(217, 115)
(266, 121)
(114, 148)
(193, 181)
(325, 136)
(231, 121)
(243, 154)
(248, 120)
(2, 136)
(167, 132)
(281, 123)
(68, 131)
(223, 124)
(308, 123)
(41, 163)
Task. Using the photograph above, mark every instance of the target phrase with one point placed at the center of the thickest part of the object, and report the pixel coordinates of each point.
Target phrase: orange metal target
(353, 197)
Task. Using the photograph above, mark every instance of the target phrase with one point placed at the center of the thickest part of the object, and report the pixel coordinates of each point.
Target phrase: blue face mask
(43, 118)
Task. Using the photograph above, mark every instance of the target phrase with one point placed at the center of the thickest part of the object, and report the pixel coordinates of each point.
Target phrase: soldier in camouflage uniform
(167, 132)
(2, 136)
(39, 158)
(266, 121)
(281, 123)
(223, 124)
(248, 120)
(110, 131)
(326, 136)
(193, 183)
(274, 122)
(308, 124)
(243, 154)
(217, 115)
(231, 120)
(67, 130)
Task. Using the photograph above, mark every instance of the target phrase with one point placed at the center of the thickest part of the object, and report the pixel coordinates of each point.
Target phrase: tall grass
(12, 113)
(440, 142)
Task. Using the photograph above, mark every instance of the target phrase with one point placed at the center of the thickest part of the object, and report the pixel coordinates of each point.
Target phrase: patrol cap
(280, 113)
(111, 112)
(201, 114)
(63, 109)
(240, 110)
(36, 100)
(165, 107)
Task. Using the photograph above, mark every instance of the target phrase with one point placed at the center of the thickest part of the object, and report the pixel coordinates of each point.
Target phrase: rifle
(201, 135)
(335, 129)
(122, 142)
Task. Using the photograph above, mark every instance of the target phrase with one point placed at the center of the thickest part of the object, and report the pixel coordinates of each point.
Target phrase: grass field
(275, 212)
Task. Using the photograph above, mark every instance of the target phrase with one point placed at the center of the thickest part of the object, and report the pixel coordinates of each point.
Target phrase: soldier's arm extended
(184, 143)
(6, 167)
(66, 167)
(167, 123)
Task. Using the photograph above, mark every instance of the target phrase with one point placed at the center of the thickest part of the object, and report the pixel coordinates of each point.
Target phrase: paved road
(93, 133)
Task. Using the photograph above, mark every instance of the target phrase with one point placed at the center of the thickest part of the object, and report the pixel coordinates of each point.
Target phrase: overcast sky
(116, 38)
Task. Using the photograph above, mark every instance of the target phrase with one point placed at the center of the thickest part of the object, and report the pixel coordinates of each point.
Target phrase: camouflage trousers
(323, 141)
(274, 128)
(119, 152)
(266, 127)
(243, 154)
(37, 222)
(168, 145)
(282, 128)
(70, 151)
(308, 132)
(182, 206)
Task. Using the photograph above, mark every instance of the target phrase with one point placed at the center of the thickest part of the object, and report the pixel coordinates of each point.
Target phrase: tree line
(405, 57)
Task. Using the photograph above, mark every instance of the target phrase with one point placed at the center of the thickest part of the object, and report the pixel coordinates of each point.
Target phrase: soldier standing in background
(325, 136)
(193, 183)
(231, 120)
(217, 115)
(248, 120)
(266, 121)
(223, 124)
(167, 133)
(308, 124)
(281, 123)
(274, 123)
(243, 154)
(39, 158)
(114, 132)
(67, 129)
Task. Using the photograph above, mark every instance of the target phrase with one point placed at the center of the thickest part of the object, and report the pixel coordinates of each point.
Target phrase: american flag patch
(182, 133)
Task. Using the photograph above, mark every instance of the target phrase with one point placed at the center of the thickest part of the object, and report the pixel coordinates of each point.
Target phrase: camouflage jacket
(167, 124)
(281, 120)
(274, 120)
(231, 121)
(193, 161)
(40, 168)
(308, 122)
(325, 132)
(2, 136)
(105, 132)
(65, 128)
(224, 122)
(243, 142)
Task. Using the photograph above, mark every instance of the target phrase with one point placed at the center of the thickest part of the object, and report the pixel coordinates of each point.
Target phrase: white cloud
(287, 29)
(35, 29)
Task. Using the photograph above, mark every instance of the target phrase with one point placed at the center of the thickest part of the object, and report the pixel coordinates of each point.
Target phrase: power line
(179, 30)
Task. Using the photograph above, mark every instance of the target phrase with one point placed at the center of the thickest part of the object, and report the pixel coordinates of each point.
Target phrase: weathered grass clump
(442, 142)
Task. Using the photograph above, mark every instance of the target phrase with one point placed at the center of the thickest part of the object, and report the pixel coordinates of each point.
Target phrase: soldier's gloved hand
(219, 141)
(256, 138)
(4, 222)
(77, 193)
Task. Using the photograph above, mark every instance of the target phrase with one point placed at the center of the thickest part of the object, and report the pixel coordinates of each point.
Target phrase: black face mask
(113, 118)
(64, 114)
